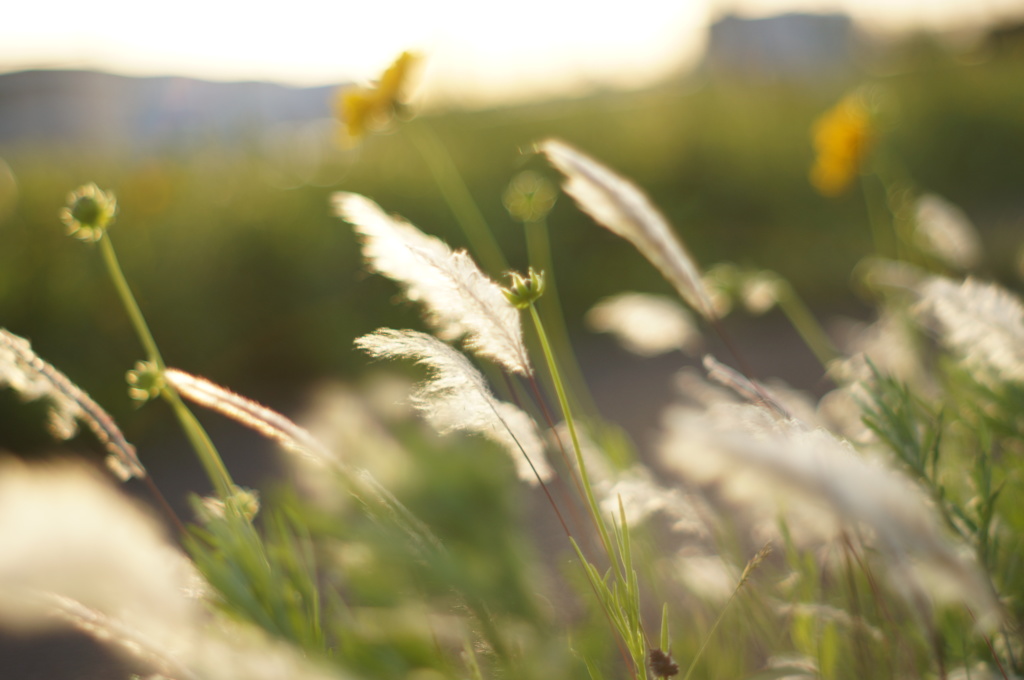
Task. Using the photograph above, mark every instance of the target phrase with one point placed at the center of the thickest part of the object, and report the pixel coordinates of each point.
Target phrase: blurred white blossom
(980, 322)
(943, 230)
(760, 291)
(647, 325)
(641, 496)
(824, 488)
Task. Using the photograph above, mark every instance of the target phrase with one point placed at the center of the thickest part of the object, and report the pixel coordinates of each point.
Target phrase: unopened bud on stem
(145, 381)
(89, 212)
(524, 291)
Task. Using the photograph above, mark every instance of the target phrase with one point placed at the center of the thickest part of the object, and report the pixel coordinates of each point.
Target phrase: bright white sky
(477, 49)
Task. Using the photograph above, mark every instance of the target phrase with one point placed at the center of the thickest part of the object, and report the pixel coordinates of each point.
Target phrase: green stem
(879, 218)
(212, 463)
(457, 196)
(538, 248)
(563, 402)
(707, 638)
(806, 325)
(130, 305)
(204, 448)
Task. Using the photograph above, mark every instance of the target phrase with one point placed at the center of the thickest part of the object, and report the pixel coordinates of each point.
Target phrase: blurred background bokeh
(216, 129)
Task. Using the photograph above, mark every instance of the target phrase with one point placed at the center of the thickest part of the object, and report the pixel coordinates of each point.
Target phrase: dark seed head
(662, 664)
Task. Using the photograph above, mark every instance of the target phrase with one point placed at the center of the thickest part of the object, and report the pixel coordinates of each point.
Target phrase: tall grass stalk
(458, 197)
(748, 570)
(538, 247)
(581, 466)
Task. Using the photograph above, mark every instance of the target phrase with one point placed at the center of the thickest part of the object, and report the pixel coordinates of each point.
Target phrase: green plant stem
(806, 325)
(563, 402)
(212, 463)
(538, 248)
(882, 233)
(130, 305)
(711, 633)
(204, 448)
(456, 195)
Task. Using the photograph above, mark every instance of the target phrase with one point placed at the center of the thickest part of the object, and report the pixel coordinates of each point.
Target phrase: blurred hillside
(226, 234)
(83, 109)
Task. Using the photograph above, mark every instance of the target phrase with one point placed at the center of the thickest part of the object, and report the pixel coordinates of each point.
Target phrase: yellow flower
(842, 138)
(89, 212)
(367, 109)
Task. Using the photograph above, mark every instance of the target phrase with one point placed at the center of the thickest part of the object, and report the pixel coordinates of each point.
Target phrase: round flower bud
(145, 381)
(529, 197)
(89, 212)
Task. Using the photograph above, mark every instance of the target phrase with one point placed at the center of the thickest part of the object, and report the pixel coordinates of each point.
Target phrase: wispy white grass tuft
(66, 533)
(708, 576)
(456, 397)
(460, 300)
(26, 373)
(75, 552)
(267, 422)
(351, 422)
(646, 325)
(641, 497)
(981, 322)
(822, 486)
(621, 207)
(743, 386)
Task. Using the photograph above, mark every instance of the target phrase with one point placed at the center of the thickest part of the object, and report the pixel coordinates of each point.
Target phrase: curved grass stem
(456, 195)
(563, 403)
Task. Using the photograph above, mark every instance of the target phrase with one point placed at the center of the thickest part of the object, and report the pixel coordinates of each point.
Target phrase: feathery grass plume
(621, 207)
(456, 397)
(981, 322)
(823, 488)
(742, 385)
(646, 325)
(944, 230)
(267, 422)
(460, 299)
(25, 372)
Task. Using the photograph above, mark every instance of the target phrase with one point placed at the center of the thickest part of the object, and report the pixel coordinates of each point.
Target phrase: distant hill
(86, 108)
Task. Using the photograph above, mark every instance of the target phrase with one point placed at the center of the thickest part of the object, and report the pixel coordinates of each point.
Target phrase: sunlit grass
(505, 530)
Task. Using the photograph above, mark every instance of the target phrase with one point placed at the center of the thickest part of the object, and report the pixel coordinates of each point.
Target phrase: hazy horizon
(475, 54)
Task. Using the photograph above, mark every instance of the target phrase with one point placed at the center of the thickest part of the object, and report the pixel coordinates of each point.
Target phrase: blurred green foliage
(247, 278)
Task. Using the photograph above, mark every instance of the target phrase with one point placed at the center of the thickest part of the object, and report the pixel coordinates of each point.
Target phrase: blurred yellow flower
(365, 109)
(842, 138)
